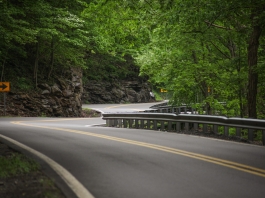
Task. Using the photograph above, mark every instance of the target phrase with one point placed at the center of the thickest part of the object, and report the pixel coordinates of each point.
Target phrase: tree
(51, 33)
(221, 34)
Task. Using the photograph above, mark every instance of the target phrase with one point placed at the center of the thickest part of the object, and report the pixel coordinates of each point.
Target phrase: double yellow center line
(226, 163)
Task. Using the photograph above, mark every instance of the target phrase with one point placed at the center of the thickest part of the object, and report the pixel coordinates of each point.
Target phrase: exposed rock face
(65, 96)
(119, 92)
(62, 98)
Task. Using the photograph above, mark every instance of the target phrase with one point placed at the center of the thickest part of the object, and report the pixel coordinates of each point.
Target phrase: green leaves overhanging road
(200, 51)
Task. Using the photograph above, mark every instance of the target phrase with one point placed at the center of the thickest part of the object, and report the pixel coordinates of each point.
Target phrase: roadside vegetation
(204, 52)
(16, 164)
(21, 176)
(201, 52)
(90, 113)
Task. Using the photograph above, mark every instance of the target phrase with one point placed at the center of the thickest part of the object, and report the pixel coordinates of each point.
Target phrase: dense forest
(202, 52)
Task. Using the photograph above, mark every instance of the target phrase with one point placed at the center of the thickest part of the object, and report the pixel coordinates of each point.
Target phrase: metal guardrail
(172, 109)
(183, 109)
(187, 122)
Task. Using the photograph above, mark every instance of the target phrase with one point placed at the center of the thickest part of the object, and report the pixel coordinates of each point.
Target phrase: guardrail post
(136, 123)
(169, 126)
(238, 131)
(125, 123)
(177, 126)
(112, 122)
(226, 130)
(263, 137)
(142, 124)
(215, 129)
(251, 134)
(162, 124)
(115, 122)
(154, 125)
(148, 124)
(195, 126)
(108, 123)
(130, 123)
(120, 123)
(205, 128)
(187, 126)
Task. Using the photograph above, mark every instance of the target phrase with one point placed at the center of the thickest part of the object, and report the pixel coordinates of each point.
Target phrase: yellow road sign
(163, 90)
(4, 86)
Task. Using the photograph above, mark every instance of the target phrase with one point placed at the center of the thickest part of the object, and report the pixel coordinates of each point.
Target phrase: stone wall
(117, 92)
(62, 98)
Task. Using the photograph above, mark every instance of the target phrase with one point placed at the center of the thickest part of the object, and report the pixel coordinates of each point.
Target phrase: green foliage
(87, 110)
(23, 84)
(43, 115)
(198, 50)
(50, 36)
(16, 164)
(109, 68)
(116, 31)
(158, 96)
(91, 112)
(200, 46)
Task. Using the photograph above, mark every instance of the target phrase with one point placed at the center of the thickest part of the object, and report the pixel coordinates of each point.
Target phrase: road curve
(114, 162)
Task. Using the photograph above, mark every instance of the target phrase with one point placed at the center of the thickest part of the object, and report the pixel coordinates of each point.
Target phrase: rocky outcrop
(62, 98)
(117, 92)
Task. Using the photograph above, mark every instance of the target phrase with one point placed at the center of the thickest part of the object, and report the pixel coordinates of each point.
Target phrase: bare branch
(220, 50)
(218, 26)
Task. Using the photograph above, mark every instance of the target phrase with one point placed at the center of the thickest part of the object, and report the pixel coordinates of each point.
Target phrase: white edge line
(93, 125)
(69, 179)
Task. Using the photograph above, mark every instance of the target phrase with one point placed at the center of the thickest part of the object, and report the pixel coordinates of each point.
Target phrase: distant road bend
(118, 162)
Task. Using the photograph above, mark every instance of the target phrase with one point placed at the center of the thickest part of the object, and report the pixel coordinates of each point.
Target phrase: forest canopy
(201, 51)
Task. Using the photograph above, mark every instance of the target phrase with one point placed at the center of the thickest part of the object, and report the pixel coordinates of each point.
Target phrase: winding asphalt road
(131, 163)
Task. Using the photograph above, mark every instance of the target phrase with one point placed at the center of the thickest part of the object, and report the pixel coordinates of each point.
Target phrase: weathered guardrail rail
(187, 122)
(172, 109)
(183, 109)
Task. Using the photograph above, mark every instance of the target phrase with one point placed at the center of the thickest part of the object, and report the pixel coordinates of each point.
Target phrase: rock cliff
(117, 92)
(62, 98)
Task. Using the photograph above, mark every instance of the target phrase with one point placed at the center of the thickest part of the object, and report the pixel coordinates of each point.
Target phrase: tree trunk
(51, 58)
(36, 65)
(3, 69)
(253, 46)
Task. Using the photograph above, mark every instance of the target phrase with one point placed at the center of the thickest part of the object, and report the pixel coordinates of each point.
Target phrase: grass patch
(16, 164)
(90, 112)
(158, 95)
